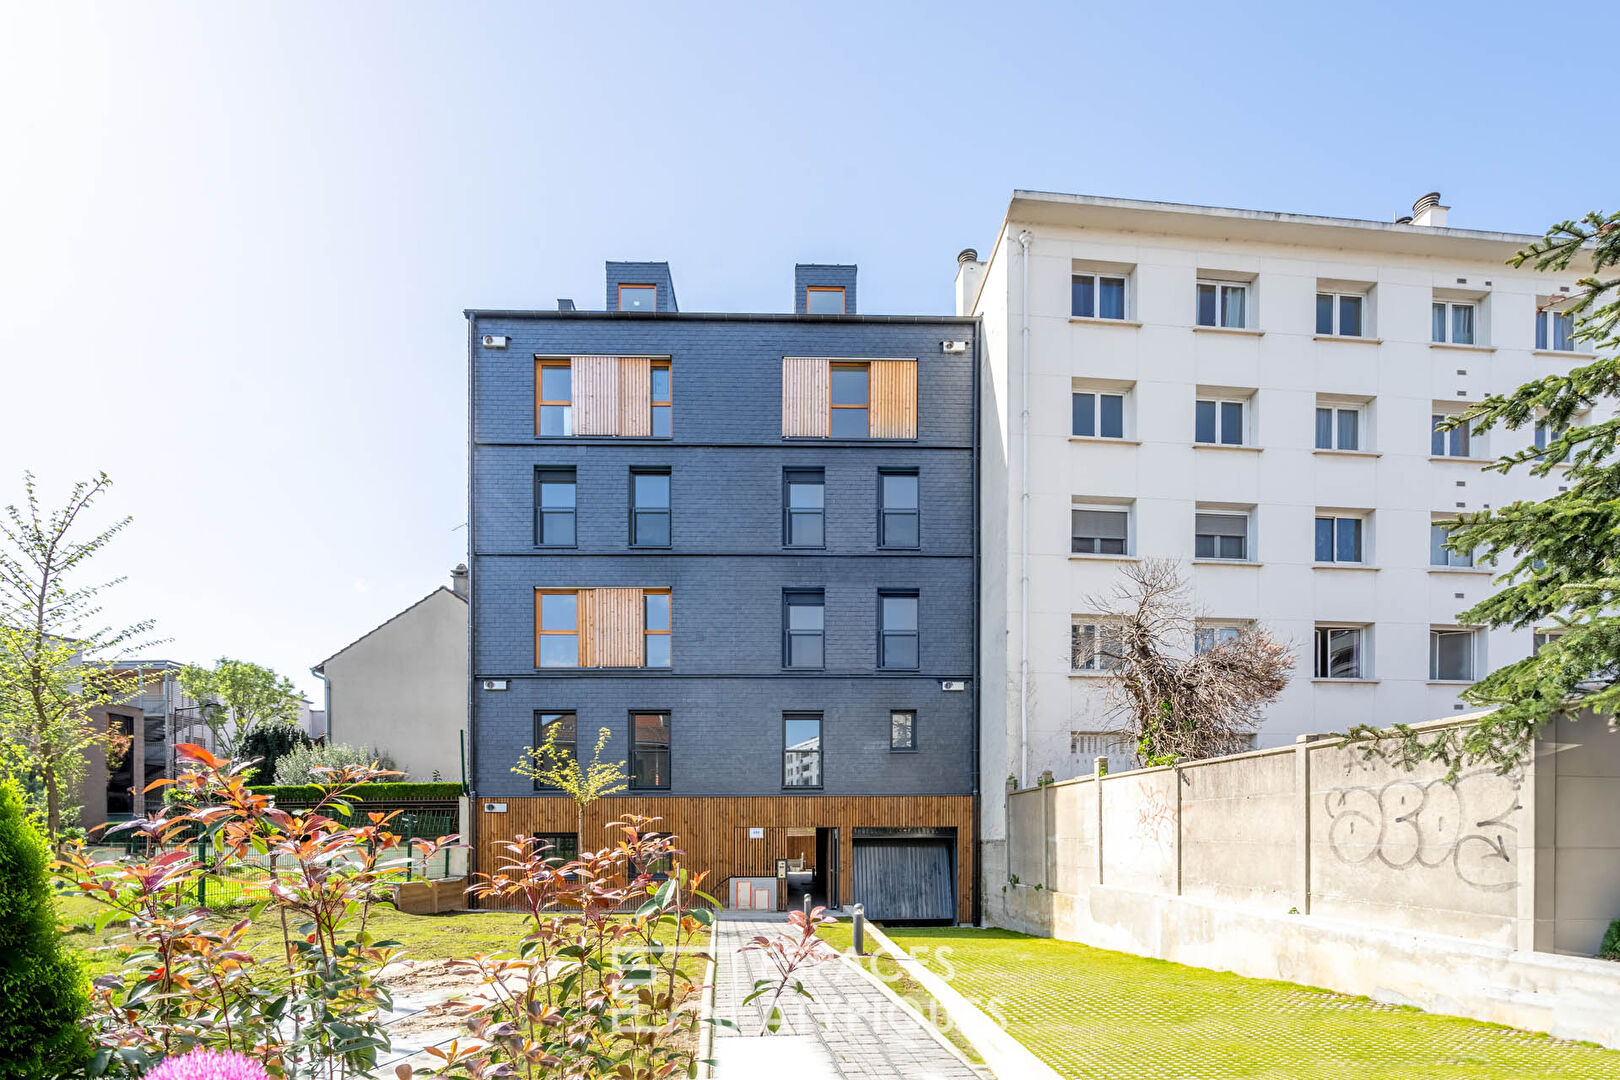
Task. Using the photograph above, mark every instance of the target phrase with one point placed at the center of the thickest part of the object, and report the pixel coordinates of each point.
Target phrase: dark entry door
(905, 880)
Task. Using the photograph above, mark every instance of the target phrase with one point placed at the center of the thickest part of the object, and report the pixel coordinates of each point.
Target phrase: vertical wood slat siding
(618, 628)
(806, 396)
(596, 395)
(635, 396)
(585, 613)
(893, 400)
(713, 831)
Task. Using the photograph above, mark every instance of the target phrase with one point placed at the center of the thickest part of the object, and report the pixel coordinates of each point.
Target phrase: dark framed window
(649, 751)
(897, 508)
(804, 625)
(851, 388)
(663, 414)
(554, 507)
(801, 750)
(897, 630)
(804, 508)
(649, 508)
(566, 726)
(902, 730)
(563, 846)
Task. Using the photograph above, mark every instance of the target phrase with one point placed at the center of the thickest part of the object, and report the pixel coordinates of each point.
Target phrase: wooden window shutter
(893, 400)
(806, 394)
(585, 616)
(635, 396)
(617, 628)
(596, 395)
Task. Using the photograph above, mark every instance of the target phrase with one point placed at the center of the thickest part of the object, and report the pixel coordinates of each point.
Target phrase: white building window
(1341, 314)
(1099, 530)
(1540, 639)
(1548, 434)
(1455, 442)
(1223, 303)
(1094, 643)
(1439, 554)
(1340, 538)
(1222, 535)
(1219, 421)
(1097, 414)
(1338, 427)
(1339, 652)
(1454, 322)
(1555, 330)
(1451, 655)
(1097, 296)
(1207, 635)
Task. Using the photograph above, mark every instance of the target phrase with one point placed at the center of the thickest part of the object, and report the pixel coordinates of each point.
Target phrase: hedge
(383, 793)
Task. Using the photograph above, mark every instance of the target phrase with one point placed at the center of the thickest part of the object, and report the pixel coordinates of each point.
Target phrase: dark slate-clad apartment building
(744, 545)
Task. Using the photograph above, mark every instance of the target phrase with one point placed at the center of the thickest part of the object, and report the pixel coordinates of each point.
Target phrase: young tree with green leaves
(556, 765)
(1560, 556)
(236, 696)
(54, 657)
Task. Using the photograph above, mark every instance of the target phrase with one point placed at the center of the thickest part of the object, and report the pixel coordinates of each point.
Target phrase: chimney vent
(1428, 211)
(458, 580)
(1403, 219)
(967, 255)
(565, 305)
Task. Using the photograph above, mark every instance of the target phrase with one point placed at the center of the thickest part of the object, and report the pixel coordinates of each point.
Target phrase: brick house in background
(744, 545)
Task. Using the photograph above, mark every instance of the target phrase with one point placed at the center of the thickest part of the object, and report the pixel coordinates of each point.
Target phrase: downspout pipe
(1024, 239)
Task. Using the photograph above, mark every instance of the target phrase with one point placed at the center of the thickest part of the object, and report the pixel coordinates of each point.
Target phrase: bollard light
(858, 922)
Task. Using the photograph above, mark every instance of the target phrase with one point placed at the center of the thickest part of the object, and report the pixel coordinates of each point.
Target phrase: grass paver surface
(1094, 1014)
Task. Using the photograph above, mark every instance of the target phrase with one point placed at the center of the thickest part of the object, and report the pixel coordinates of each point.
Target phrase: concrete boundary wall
(1315, 864)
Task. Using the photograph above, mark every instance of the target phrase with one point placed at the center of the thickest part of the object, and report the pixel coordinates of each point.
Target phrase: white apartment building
(1253, 394)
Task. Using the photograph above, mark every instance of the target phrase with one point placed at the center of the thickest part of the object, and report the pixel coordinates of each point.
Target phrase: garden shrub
(298, 765)
(269, 743)
(1610, 949)
(43, 992)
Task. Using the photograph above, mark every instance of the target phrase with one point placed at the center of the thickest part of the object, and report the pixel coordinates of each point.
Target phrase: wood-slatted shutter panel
(585, 620)
(596, 395)
(635, 396)
(806, 396)
(893, 401)
(618, 628)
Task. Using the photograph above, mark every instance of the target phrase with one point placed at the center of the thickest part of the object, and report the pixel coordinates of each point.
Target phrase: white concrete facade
(1265, 471)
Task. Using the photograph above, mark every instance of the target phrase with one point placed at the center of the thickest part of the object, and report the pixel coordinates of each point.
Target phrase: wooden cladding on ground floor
(741, 837)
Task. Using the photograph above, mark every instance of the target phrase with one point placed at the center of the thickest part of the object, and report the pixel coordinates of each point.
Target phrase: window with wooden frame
(649, 751)
(848, 399)
(554, 398)
(623, 396)
(656, 627)
(663, 415)
(562, 729)
(824, 300)
(638, 297)
(602, 627)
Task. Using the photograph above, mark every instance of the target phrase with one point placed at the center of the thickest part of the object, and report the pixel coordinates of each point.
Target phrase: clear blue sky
(236, 240)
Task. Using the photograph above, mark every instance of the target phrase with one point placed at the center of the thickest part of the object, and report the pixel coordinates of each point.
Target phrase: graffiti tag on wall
(1466, 827)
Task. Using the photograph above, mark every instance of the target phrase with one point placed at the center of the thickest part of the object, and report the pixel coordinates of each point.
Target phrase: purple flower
(208, 1065)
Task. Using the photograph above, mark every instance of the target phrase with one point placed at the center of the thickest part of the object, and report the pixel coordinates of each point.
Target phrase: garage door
(902, 880)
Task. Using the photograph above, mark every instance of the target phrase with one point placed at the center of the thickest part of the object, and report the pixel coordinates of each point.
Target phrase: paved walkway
(850, 1030)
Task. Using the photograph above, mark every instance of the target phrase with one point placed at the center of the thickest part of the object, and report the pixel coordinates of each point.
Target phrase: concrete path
(851, 1030)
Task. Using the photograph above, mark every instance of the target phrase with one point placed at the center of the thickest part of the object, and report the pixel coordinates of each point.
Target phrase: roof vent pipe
(967, 255)
(1428, 211)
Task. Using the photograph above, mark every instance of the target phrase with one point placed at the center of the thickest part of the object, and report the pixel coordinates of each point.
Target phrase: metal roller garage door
(902, 880)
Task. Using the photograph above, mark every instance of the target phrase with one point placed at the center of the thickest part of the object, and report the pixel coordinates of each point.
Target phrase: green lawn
(1099, 1015)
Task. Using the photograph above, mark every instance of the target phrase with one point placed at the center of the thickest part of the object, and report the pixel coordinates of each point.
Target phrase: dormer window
(638, 298)
(824, 300)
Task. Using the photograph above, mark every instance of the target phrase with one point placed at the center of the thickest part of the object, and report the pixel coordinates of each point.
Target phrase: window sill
(1073, 674)
(1227, 562)
(1104, 439)
(1460, 460)
(1344, 566)
(1347, 453)
(1451, 682)
(1241, 331)
(1461, 348)
(1474, 570)
(1351, 339)
(1561, 354)
(1082, 556)
(1352, 682)
(1094, 320)
(1227, 446)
